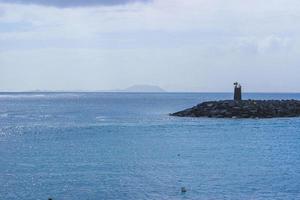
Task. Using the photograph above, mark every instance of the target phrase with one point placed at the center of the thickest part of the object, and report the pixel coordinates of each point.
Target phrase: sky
(181, 46)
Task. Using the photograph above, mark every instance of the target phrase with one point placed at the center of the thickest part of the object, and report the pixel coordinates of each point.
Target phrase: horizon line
(120, 91)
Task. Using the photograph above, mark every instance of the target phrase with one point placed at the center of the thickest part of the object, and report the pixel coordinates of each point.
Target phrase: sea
(125, 146)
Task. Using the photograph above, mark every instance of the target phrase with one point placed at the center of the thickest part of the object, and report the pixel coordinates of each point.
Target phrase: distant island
(134, 88)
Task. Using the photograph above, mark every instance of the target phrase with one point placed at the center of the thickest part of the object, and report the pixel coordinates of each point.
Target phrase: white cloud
(262, 45)
(234, 17)
(273, 43)
(173, 43)
(73, 3)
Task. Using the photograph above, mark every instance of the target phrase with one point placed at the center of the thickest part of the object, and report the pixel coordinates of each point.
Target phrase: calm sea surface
(125, 146)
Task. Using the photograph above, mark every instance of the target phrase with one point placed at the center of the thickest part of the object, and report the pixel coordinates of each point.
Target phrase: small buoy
(183, 190)
(49, 198)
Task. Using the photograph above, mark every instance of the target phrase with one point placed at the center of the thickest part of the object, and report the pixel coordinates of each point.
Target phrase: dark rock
(244, 109)
(183, 190)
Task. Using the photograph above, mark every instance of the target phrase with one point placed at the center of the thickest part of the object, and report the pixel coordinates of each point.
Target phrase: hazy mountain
(134, 88)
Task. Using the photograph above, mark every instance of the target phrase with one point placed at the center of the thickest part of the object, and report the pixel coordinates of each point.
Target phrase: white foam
(101, 118)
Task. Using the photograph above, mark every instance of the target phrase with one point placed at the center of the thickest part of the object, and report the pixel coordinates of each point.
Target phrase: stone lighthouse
(237, 91)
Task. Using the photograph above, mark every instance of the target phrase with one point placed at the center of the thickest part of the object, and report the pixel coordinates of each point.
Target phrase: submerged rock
(243, 109)
(183, 190)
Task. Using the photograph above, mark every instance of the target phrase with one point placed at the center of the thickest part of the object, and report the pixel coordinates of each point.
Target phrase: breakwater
(243, 109)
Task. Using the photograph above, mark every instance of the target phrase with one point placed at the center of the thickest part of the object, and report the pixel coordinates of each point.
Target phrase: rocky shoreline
(243, 109)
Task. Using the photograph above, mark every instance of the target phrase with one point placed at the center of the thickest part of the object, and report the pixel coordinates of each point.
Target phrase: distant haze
(144, 88)
(178, 45)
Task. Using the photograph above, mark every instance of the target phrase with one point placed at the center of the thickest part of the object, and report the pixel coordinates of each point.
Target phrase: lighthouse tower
(237, 91)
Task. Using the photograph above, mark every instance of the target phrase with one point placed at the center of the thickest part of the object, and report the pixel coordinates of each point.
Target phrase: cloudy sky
(180, 45)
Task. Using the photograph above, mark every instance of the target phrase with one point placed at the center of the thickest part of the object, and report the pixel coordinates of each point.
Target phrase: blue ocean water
(124, 146)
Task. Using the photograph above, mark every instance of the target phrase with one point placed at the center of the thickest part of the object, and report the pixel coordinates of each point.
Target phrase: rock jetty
(243, 109)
